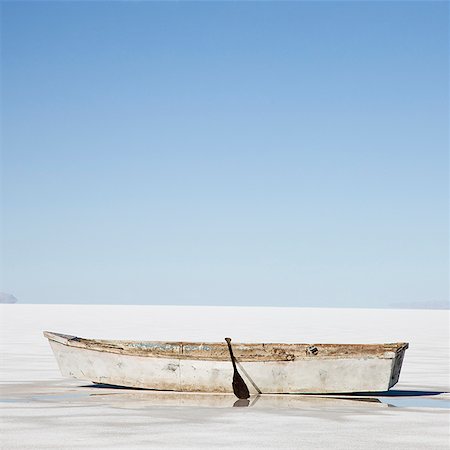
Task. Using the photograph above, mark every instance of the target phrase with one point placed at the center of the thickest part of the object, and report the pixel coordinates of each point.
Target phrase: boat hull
(320, 376)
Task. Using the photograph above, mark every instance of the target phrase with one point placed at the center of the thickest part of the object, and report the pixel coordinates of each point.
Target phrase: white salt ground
(42, 410)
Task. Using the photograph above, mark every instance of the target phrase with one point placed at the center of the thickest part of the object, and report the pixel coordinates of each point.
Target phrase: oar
(240, 389)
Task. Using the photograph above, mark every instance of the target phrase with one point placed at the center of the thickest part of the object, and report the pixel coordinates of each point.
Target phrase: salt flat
(42, 410)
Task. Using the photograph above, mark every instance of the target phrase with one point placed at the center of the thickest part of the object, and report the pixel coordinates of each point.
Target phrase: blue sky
(242, 153)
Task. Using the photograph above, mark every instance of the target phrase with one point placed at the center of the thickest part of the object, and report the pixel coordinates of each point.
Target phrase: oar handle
(231, 352)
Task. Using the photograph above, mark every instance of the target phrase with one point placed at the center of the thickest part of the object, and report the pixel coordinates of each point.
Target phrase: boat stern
(397, 362)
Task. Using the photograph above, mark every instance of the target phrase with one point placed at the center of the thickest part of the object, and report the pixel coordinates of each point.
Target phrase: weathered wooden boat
(206, 367)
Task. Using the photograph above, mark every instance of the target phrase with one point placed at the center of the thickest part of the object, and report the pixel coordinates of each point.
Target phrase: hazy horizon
(419, 305)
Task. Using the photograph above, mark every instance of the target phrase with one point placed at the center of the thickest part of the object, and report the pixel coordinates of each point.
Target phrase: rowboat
(206, 367)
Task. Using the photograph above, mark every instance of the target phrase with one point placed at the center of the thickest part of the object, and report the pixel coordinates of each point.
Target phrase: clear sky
(241, 153)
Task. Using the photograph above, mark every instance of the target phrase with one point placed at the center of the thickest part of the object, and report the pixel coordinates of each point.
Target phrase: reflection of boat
(147, 399)
(206, 367)
(132, 398)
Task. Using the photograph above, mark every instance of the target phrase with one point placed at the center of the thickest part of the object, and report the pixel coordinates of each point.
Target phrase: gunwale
(217, 351)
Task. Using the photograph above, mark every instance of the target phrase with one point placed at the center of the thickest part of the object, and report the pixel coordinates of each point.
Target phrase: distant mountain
(7, 298)
(421, 305)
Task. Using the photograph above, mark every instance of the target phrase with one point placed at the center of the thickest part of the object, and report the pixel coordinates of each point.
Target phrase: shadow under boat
(150, 397)
(397, 393)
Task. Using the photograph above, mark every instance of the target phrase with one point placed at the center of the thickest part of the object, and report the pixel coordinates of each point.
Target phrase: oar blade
(240, 389)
